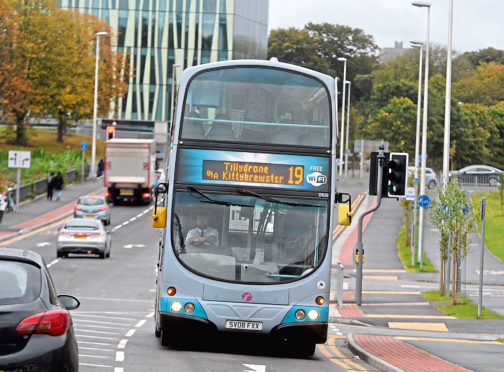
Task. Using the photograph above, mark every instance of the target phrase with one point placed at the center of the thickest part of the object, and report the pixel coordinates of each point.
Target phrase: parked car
(84, 235)
(36, 330)
(92, 207)
(431, 179)
(478, 174)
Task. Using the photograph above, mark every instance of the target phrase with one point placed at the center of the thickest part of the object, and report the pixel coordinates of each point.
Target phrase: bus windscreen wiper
(273, 200)
(213, 201)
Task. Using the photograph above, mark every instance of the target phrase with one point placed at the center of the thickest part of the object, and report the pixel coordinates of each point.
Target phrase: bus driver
(202, 234)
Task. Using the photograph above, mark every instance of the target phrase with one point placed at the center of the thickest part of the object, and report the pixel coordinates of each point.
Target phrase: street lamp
(347, 127)
(446, 143)
(95, 103)
(417, 44)
(423, 4)
(341, 59)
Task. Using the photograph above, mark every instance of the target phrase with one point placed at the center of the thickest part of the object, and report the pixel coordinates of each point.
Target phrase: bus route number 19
(296, 175)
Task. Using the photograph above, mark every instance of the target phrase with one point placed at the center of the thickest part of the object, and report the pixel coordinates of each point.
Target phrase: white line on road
(140, 323)
(93, 356)
(150, 315)
(100, 322)
(125, 223)
(140, 214)
(95, 365)
(409, 286)
(54, 262)
(97, 337)
(119, 356)
(130, 333)
(93, 348)
(93, 331)
(122, 343)
(97, 326)
(118, 369)
(95, 343)
(133, 219)
(114, 299)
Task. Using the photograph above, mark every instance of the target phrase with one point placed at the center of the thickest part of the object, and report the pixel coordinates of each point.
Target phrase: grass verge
(463, 309)
(494, 220)
(404, 252)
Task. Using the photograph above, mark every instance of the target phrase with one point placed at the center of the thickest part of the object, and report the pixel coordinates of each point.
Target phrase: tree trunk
(454, 272)
(61, 128)
(502, 200)
(21, 138)
(441, 278)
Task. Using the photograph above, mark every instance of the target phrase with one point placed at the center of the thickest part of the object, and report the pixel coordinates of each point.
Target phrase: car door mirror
(69, 302)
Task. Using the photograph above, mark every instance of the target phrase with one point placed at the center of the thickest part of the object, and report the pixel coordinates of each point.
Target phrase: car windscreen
(249, 239)
(19, 282)
(91, 201)
(82, 226)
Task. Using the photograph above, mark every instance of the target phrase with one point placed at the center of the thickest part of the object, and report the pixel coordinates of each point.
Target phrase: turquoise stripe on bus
(165, 303)
(291, 318)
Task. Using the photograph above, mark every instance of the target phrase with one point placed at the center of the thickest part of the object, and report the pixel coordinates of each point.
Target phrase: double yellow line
(339, 228)
(330, 350)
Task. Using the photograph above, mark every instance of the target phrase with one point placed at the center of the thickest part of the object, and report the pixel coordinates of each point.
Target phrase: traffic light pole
(359, 250)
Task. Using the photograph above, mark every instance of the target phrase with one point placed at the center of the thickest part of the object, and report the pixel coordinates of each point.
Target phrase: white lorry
(129, 172)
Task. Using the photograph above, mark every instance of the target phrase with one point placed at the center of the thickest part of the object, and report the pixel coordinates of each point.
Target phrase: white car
(85, 236)
(431, 180)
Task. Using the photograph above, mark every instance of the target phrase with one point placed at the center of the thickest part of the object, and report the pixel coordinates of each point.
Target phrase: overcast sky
(477, 24)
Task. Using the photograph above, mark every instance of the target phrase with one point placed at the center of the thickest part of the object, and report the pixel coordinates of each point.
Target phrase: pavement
(40, 212)
(388, 312)
(392, 307)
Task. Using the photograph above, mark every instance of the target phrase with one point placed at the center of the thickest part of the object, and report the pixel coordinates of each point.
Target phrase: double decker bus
(247, 217)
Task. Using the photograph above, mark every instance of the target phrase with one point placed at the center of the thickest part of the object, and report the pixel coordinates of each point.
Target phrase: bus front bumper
(315, 332)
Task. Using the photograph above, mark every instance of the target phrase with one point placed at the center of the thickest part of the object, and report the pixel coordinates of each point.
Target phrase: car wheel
(59, 254)
(108, 222)
(431, 184)
(492, 181)
(102, 255)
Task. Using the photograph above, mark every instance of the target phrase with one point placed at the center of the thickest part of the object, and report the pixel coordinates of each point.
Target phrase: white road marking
(94, 365)
(94, 356)
(93, 331)
(255, 368)
(99, 316)
(140, 214)
(409, 286)
(133, 219)
(119, 356)
(114, 299)
(150, 315)
(140, 323)
(122, 343)
(43, 244)
(54, 262)
(125, 223)
(93, 348)
(118, 369)
(95, 343)
(97, 337)
(130, 333)
(101, 322)
(152, 290)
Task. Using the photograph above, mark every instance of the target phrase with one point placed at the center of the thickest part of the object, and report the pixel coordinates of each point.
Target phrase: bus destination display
(266, 173)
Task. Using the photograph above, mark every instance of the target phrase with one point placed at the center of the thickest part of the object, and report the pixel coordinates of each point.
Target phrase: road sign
(83, 145)
(410, 193)
(19, 159)
(465, 209)
(424, 201)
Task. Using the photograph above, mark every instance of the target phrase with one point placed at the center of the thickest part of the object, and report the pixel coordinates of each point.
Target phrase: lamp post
(95, 103)
(417, 44)
(423, 4)
(172, 103)
(347, 150)
(446, 140)
(342, 137)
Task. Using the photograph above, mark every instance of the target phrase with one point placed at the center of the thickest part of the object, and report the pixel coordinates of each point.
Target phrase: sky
(477, 24)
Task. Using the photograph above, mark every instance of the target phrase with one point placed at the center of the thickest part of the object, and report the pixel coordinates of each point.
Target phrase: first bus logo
(316, 179)
(247, 296)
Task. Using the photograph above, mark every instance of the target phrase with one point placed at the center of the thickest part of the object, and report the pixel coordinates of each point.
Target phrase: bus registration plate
(244, 325)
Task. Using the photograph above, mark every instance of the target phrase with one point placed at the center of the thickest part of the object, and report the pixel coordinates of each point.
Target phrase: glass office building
(156, 34)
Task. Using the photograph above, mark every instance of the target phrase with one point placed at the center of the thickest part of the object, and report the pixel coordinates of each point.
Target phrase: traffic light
(373, 175)
(396, 173)
(110, 132)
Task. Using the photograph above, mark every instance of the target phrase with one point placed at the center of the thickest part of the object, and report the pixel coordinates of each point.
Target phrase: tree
(485, 85)
(455, 220)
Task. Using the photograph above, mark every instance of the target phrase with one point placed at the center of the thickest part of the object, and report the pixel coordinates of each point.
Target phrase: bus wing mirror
(344, 210)
(159, 218)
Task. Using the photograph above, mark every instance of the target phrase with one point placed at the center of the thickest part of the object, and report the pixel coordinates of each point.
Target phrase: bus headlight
(176, 306)
(299, 314)
(189, 308)
(313, 314)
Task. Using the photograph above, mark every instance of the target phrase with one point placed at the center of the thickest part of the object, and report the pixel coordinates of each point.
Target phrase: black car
(478, 175)
(36, 330)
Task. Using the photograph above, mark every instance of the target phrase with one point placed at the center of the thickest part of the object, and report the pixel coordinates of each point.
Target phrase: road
(114, 324)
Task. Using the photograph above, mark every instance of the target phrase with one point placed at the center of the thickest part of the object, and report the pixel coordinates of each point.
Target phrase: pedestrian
(58, 185)
(50, 186)
(3, 204)
(101, 166)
